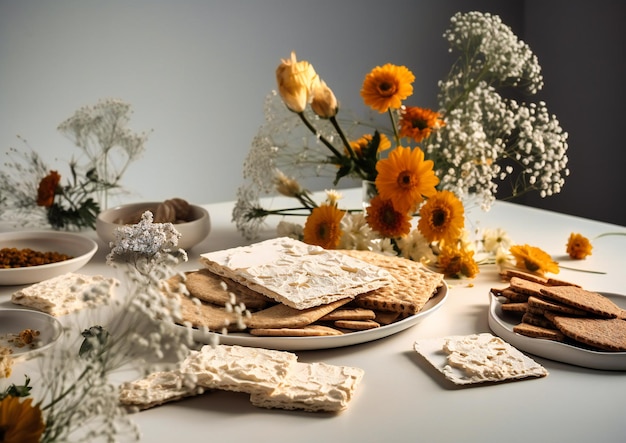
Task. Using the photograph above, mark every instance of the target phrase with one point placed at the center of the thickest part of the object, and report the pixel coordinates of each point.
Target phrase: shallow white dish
(191, 232)
(502, 325)
(13, 321)
(335, 341)
(78, 246)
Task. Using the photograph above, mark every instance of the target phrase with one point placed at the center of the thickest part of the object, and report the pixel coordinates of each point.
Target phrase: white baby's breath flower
(495, 240)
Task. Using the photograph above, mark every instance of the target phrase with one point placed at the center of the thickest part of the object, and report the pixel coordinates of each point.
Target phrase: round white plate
(78, 246)
(13, 321)
(502, 325)
(326, 342)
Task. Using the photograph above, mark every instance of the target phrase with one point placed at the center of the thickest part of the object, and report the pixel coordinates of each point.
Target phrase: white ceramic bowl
(12, 321)
(78, 246)
(192, 232)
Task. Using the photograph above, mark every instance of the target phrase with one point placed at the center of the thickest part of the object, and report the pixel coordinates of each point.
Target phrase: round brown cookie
(600, 333)
(209, 287)
(580, 298)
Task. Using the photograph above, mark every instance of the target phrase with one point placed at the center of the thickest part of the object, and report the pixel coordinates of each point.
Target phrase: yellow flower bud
(324, 102)
(295, 80)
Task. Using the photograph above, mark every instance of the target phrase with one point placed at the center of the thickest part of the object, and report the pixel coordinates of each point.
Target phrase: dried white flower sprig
(135, 332)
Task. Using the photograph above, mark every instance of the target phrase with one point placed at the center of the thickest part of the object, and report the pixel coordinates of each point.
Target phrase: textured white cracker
(158, 388)
(478, 358)
(238, 368)
(67, 293)
(313, 387)
(295, 273)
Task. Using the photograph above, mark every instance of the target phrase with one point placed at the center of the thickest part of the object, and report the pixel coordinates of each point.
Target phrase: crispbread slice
(414, 285)
(588, 301)
(305, 331)
(356, 325)
(540, 304)
(349, 314)
(295, 273)
(209, 287)
(238, 368)
(283, 316)
(313, 387)
(156, 389)
(600, 333)
(510, 273)
(535, 331)
(514, 307)
(199, 314)
(526, 286)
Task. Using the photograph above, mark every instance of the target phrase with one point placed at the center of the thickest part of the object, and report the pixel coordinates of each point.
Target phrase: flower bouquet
(421, 163)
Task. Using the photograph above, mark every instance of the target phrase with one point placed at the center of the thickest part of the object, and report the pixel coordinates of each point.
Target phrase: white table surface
(401, 398)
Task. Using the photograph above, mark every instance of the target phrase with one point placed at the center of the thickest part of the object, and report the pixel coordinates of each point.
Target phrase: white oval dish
(13, 321)
(326, 342)
(502, 325)
(192, 232)
(78, 246)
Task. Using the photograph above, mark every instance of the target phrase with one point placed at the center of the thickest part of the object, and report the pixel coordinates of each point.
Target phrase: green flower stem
(606, 234)
(396, 134)
(345, 141)
(320, 136)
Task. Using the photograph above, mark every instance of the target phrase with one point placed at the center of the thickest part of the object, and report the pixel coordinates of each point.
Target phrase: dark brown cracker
(516, 308)
(580, 298)
(533, 331)
(510, 273)
(356, 325)
(349, 314)
(600, 333)
(556, 282)
(537, 320)
(283, 316)
(305, 331)
(540, 304)
(526, 286)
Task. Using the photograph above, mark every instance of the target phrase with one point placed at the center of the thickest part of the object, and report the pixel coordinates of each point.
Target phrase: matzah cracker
(313, 387)
(414, 285)
(66, 293)
(156, 389)
(238, 368)
(478, 358)
(295, 273)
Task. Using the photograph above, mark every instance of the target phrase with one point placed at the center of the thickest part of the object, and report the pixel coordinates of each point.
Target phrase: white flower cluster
(101, 132)
(487, 138)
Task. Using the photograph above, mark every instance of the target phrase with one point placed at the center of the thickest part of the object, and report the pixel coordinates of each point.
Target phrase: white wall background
(197, 72)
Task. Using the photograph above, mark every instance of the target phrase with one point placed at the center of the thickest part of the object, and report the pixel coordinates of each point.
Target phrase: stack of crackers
(273, 379)
(294, 289)
(563, 311)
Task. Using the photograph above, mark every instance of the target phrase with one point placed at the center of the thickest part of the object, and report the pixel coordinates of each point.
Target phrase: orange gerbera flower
(20, 421)
(406, 178)
(578, 246)
(359, 145)
(533, 259)
(384, 218)
(386, 86)
(442, 217)
(47, 189)
(418, 123)
(457, 262)
(323, 226)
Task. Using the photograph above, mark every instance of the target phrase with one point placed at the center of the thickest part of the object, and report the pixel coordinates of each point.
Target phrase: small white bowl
(77, 246)
(192, 232)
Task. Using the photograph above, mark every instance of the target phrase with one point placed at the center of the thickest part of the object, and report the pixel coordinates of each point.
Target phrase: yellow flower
(359, 145)
(386, 86)
(20, 422)
(457, 262)
(406, 178)
(418, 123)
(323, 227)
(442, 217)
(385, 219)
(578, 246)
(323, 102)
(47, 189)
(533, 259)
(295, 80)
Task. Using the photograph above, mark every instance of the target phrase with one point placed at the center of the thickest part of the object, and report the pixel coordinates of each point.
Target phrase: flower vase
(369, 191)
